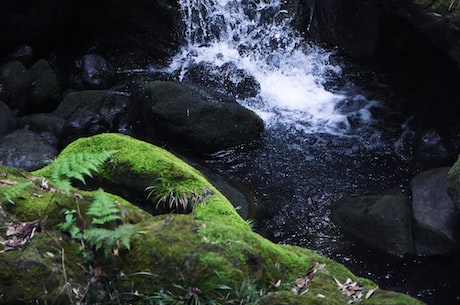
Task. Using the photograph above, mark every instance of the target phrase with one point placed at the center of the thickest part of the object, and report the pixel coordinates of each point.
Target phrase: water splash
(255, 36)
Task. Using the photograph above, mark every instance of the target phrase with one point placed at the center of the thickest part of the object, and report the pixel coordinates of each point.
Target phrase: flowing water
(326, 136)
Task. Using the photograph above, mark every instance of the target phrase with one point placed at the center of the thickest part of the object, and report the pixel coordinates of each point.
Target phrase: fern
(103, 209)
(10, 192)
(102, 238)
(77, 166)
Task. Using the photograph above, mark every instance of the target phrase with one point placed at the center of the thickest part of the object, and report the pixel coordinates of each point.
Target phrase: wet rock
(18, 81)
(436, 222)
(196, 119)
(227, 78)
(25, 149)
(8, 119)
(381, 221)
(95, 111)
(45, 89)
(93, 72)
(48, 125)
(5, 94)
(23, 53)
(453, 184)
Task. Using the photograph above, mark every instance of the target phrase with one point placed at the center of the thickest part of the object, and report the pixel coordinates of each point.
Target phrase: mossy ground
(210, 248)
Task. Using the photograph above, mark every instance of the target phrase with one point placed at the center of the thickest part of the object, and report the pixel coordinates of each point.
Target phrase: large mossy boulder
(199, 119)
(209, 254)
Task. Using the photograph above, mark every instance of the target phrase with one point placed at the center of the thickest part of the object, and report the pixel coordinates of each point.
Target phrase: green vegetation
(105, 213)
(77, 166)
(208, 256)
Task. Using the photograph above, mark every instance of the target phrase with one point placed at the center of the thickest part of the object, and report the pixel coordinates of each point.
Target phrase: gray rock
(381, 221)
(197, 119)
(453, 184)
(45, 90)
(18, 81)
(436, 223)
(48, 125)
(94, 72)
(26, 150)
(8, 120)
(91, 112)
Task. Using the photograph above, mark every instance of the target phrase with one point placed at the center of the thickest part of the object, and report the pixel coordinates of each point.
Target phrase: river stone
(228, 79)
(25, 149)
(18, 81)
(436, 222)
(93, 72)
(381, 221)
(48, 125)
(91, 112)
(7, 119)
(45, 88)
(200, 120)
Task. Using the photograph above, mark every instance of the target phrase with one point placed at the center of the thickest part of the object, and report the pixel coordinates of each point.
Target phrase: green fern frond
(97, 237)
(77, 166)
(11, 192)
(105, 239)
(103, 209)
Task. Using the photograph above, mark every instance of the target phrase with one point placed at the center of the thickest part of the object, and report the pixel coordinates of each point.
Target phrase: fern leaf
(105, 239)
(97, 237)
(103, 209)
(124, 234)
(77, 166)
(10, 192)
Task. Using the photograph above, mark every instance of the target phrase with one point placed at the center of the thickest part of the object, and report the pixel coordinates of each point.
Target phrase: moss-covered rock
(209, 254)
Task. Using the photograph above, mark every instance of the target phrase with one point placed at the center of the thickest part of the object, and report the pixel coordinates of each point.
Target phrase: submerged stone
(381, 221)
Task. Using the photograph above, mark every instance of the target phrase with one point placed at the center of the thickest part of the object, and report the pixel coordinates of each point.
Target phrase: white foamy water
(255, 36)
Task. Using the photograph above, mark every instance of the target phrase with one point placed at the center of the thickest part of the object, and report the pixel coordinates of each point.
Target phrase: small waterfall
(254, 38)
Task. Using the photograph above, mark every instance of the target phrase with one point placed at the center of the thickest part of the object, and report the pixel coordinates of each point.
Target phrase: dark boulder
(93, 72)
(18, 81)
(436, 221)
(26, 150)
(95, 111)
(48, 125)
(200, 120)
(46, 93)
(228, 79)
(23, 53)
(381, 221)
(8, 120)
(453, 184)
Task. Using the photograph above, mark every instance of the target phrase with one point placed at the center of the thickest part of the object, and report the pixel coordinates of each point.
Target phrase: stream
(330, 133)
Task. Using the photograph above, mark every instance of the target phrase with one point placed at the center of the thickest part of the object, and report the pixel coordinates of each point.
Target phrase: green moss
(210, 247)
(41, 271)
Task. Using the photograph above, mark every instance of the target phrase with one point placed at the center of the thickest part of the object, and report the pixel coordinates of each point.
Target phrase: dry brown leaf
(8, 182)
(371, 292)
